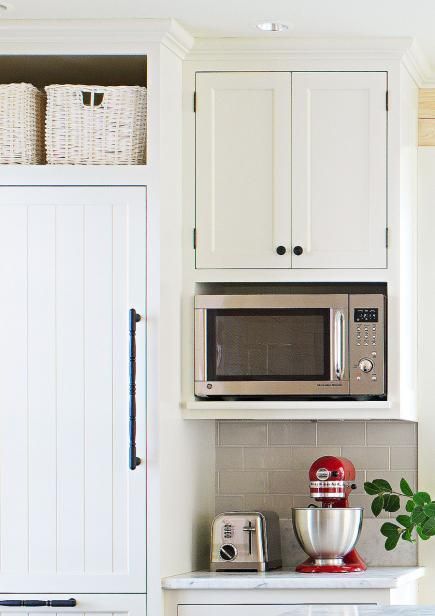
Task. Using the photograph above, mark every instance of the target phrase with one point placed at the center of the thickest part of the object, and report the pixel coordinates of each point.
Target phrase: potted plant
(419, 519)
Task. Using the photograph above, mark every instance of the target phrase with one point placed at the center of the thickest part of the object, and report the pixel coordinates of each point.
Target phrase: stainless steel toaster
(245, 540)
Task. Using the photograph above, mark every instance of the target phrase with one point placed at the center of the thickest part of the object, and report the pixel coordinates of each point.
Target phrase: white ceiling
(384, 18)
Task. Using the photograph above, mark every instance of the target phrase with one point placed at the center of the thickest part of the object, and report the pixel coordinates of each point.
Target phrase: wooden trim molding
(426, 117)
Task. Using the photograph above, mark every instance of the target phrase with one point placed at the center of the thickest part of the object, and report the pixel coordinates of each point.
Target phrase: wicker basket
(92, 125)
(21, 124)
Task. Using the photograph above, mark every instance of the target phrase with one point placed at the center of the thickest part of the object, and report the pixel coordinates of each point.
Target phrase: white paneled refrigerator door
(72, 513)
(103, 605)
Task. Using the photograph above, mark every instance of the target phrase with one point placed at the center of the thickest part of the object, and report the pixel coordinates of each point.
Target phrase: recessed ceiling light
(5, 6)
(272, 26)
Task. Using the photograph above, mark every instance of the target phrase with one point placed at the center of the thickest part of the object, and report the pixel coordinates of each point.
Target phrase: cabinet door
(293, 609)
(72, 514)
(339, 204)
(233, 610)
(243, 170)
(105, 605)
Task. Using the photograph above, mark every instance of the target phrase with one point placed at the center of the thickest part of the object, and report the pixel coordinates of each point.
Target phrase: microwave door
(278, 350)
(200, 353)
(338, 363)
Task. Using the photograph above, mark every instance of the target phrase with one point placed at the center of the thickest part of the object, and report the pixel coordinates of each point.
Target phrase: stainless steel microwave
(312, 345)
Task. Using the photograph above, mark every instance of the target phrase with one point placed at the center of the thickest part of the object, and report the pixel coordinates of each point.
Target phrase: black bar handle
(38, 603)
(133, 459)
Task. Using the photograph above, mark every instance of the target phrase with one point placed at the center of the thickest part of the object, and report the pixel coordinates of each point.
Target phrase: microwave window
(268, 344)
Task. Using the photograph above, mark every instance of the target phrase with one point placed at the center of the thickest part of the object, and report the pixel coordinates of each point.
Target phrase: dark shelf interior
(102, 70)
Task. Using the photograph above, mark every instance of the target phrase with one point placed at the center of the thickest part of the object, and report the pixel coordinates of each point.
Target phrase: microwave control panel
(367, 344)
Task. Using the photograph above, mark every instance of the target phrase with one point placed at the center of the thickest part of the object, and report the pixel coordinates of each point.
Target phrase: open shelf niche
(96, 70)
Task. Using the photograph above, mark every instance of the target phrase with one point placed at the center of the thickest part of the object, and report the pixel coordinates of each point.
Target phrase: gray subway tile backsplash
(304, 456)
(292, 433)
(264, 465)
(268, 458)
(403, 458)
(341, 432)
(394, 477)
(229, 503)
(365, 458)
(229, 458)
(287, 482)
(246, 433)
(242, 482)
(391, 433)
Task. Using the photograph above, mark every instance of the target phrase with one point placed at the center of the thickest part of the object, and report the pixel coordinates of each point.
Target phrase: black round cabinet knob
(298, 250)
(281, 250)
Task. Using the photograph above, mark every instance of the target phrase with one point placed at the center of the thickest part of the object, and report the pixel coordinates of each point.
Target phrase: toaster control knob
(228, 552)
(366, 365)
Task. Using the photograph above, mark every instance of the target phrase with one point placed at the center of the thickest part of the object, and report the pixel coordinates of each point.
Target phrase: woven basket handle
(92, 99)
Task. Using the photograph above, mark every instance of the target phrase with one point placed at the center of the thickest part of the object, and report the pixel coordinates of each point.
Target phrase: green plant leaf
(406, 488)
(421, 534)
(429, 527)
(407, 535)
(383, 485)
(429, 509)
(371, 488)
(391, 541)
(410, 506)
(388, 529)
(405, 520)
(377, 505)
(421, 498)
(391, 502)
(418, 516)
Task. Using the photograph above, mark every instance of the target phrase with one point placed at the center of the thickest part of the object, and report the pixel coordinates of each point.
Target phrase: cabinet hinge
(386, 237)
(194, 102)
(387, 105)
(194, 239)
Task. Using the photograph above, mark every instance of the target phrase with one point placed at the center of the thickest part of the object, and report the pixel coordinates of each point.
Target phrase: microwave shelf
(289, 409)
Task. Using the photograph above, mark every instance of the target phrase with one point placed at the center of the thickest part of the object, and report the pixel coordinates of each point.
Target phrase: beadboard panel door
(243, 170)
(103, 605)
(339, 204)
(72, 514)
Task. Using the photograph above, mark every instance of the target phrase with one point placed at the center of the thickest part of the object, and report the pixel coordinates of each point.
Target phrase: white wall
(408, 236)
(426, 364)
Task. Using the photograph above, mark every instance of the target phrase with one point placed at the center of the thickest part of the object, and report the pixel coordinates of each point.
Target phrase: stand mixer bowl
(327, 535)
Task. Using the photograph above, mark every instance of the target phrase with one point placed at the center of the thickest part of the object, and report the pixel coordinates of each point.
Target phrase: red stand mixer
(331, 482)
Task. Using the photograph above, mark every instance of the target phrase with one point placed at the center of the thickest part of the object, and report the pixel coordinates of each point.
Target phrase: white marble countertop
(282, 579)
(358, 610)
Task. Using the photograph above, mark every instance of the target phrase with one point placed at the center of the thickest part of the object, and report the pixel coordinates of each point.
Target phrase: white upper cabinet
(339, 170)
(72, 264)
(243, 170)
(291, 170)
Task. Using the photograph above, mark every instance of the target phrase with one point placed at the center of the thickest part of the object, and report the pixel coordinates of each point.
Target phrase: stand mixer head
(329, 533)
(332, 480)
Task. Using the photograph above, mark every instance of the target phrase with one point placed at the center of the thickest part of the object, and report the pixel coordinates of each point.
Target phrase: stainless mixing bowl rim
(327, 508)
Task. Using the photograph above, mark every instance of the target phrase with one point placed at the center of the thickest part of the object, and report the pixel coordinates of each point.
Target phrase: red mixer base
(352, 563)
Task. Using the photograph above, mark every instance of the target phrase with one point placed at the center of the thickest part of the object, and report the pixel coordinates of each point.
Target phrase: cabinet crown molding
(418, 66)
(102, 34)
(402, 49)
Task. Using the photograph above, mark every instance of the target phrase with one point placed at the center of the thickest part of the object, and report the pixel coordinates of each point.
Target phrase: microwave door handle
(339, 345)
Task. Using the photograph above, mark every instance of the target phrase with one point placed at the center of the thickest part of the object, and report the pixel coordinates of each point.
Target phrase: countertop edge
(391, 577)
